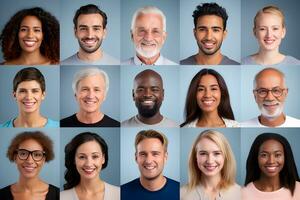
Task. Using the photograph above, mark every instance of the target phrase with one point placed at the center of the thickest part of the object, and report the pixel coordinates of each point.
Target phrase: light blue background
(49, 106)
(68, 103)
(170, 81)
(111, 174)
(231, 75)
(9, 8)
(231, 46)
(189, 135)
(249, 107)
(249, 134)
(290, 9)
(129, 168)
(9, 172)
(68, 42)
(170, 8)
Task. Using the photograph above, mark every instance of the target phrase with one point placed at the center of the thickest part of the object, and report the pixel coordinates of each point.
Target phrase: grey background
(249, 108)
(111, 174)
(231, 75)
(68, 42)
(9, 8)
(68, 103)
(231, 46)
(50, 105)
(189, 135)
(129, 168)
(170, 8)
(249, 134)
(289, 45)
(9, 172)
(170, 80)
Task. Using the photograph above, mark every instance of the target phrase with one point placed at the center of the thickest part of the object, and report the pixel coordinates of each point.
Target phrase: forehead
(93, 19)
(208, 79)
(89, 147)
(210, 21)
(148, 78)
(29, 84)
(270, 79)
(271, 145)
(31, 21)
(150, 144)
(149, 20)
(30, 144)
(268, 19)
(93, 80)
(205, 144)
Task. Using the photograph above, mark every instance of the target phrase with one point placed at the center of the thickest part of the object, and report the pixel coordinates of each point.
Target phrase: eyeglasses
(36, 155)
(263, 92)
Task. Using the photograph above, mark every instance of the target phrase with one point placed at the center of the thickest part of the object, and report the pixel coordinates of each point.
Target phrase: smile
(210, 167)
(208, 44)
(147, 102)
(208, 102)
(269, 41)
(271, 169)
(29, 43)
(29, 168)
(29, 104)
(89, 170)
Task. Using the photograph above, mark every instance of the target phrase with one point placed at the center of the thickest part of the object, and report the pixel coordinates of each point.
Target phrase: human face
(270, 106)
(209, 34)
(210, 158)
(29, 96)
(269, 31)
(90, 93)
(148, 94)
(29, 168)
(30, 34)
(151, 158)
(89, 160)
(208, 94)
(271, 158)
(90, 32)
(148, 35)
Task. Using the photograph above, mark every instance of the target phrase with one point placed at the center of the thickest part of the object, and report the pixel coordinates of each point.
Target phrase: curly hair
(50, 26)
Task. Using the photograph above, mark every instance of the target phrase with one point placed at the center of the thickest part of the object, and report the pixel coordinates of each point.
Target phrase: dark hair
(38, 136)
(288, 175)
(50, 26)
(210, 9)
(29, 74)
(71, 175)
(90, 9)
(193, 111)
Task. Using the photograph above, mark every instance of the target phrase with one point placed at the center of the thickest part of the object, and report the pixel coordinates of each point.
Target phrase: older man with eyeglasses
(270, 92)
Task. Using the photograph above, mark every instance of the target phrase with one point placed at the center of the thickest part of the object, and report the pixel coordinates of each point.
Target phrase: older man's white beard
(147, 54)
(272, 116)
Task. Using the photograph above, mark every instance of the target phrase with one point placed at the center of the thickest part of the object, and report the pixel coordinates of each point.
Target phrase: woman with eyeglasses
(29, 151)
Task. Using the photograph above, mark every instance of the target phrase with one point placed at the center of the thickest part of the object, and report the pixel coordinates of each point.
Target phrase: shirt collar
(159, 61)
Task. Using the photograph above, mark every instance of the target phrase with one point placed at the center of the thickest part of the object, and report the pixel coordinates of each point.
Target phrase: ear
(75, 32)
(14, 95)
(165, 34)
(133, 97)
(166, 156)
(131, 35)
(135, 157)
(283, 32)
(43, 95)
(163, 94)
(254, 95)
(104, 33)
(286, 92)
(103, 159)
(254, 31)
(224, 34)
(194, 31)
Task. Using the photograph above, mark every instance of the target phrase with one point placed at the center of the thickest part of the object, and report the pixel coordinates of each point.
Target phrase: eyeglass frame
(30, 153)
(270, 90)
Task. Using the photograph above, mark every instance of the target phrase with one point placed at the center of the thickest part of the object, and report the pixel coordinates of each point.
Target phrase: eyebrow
(29, 26)
(213, 85)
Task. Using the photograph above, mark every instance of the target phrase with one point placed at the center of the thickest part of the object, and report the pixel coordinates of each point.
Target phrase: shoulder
(228, 61)
(131, 185)
(291, 60)
(251, 123)
(230, 123)
(192, 124)
(52, 123)
(248, 61)
(129, 61)
(129, 122)
(167, 61)
(70, 60)
(67, 194)
(9, 123)
(172, 182)
(68, 121)
(53, 192)
(109, 60)
(166, 122)
(6, 193)
(187, 193)
(109, 122)
(112, 188)
(291, 122)
(111, 192)
(189, 61)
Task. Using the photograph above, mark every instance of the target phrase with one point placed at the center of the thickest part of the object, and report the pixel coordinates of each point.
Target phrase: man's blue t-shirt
(134, 190)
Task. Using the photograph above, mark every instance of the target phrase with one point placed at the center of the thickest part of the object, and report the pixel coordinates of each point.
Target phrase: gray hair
(268, 69)
(85, 72)
(148, 10)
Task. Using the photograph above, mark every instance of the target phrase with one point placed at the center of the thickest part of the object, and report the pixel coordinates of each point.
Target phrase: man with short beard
(270, 92)
(210, 30)
(90, 30)
(151, 154)
(148, 33)
(148, 94)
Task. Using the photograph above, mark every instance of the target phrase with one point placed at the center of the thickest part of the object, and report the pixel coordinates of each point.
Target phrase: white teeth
(89, 170)
(29, 103)
(208, 102)
(271, 168)
(210, 167)
(29, 43)
(149, 167)
(147, 102)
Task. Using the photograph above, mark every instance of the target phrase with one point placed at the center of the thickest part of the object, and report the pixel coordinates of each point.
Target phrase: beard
(146, 111)
(147, 54)
(86, 49)
(209, 52)
(273, 115)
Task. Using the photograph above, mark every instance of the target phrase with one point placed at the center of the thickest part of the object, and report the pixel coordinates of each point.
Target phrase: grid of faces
(149, 99)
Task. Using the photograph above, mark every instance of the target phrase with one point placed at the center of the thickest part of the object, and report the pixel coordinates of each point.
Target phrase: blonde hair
(228, 171)
(271, 10)
(146, 134)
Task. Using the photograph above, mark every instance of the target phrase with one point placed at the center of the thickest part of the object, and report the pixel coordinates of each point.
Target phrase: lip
(271, 169)
(29, 169)
(207, 102)
(270, 106)
(89, 170)
(269, 41)
(208, 44)
(210, 167)
(149, 167)
(28, 104)
(147, 102)
(29, 43)
(89, 42)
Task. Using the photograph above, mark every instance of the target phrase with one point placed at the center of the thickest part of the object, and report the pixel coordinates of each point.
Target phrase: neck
(92, 185)
(28, 183)
(211, 182)
(153, 184)
(210, 119)
(268, 184)
(268, 57)
(90, 57)
(89, 117)
(30, 120)
(148, 61)
(151, 120)
(33, 58)
(203, 59)
(272, 122)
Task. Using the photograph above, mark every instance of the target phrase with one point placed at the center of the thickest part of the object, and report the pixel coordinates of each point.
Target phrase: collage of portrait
(149, 99)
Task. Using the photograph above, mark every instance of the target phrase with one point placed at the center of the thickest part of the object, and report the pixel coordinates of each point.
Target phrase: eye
(263, 155)
(81, 157)
(95, 157)
(200, 89)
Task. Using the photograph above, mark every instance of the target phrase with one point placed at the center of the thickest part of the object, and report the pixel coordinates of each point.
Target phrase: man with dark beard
(148, 94)
(210, 30)
(90, 30)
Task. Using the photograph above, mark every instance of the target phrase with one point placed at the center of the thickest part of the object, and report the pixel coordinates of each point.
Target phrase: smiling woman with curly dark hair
(31, 37)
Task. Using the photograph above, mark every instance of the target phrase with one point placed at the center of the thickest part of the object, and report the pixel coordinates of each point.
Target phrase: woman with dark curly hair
(31, 37)
(86, 155)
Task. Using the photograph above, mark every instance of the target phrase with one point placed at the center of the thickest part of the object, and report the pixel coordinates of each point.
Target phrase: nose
(207, 93)
(90, 94)
(208, 34)
(30, 33)
(148, 92)
(148, 36)
(29, 158)
(148, 159)
(270, 96)
(210, 158)
(271, 159)
(90, 32)
(28, 95)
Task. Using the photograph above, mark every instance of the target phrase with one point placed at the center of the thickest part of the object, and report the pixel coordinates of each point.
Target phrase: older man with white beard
(270, 92)
(148, 33)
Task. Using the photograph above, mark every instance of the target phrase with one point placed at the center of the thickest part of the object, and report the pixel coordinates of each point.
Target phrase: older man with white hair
(148, 33)
(90, 86)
